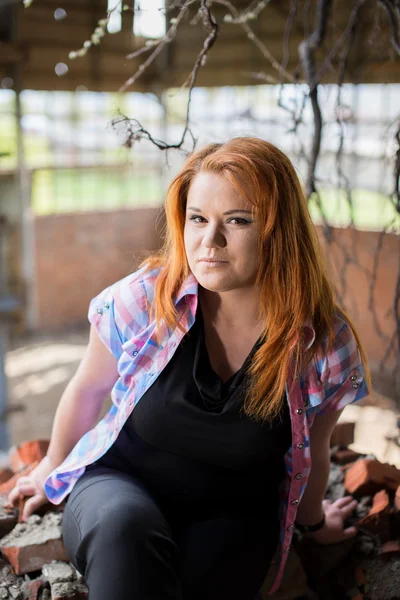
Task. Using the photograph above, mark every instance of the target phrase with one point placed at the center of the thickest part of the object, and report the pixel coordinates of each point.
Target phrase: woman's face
(221, 235)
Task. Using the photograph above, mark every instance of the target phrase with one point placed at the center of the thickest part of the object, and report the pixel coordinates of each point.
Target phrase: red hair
(291, 277)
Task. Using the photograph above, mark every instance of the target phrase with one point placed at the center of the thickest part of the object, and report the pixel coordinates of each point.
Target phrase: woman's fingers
(349, 532)
(26, 489)
(31, 505)
(341, 502)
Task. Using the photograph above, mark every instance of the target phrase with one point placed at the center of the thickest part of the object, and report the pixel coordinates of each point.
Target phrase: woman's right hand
(32, 485)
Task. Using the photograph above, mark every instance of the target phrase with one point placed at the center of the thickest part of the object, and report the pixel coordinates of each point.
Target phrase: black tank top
(193, 447)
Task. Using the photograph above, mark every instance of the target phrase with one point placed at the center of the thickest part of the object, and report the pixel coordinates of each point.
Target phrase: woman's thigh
(225, 557)
(113, 510)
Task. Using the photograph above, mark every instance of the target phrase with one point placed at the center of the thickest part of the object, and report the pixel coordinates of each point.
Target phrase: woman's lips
(213, 262)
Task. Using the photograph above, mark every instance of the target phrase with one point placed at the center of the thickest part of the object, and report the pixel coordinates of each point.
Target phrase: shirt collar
(191, 287)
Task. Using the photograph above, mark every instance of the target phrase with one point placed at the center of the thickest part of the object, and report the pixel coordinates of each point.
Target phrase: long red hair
(291, 277)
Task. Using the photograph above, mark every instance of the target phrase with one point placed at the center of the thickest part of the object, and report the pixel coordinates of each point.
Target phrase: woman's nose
(213, 237)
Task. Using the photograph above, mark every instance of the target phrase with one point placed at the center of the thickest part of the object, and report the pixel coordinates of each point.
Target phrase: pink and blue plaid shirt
(120, 315)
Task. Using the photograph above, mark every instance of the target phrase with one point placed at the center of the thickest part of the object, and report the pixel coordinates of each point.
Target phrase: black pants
(129, 547)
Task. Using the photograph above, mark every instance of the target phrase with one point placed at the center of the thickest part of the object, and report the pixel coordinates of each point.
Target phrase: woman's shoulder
(137, 288)
(335, 376)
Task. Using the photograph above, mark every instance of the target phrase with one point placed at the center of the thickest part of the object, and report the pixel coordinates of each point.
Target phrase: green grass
(88, 190)
(370, 210)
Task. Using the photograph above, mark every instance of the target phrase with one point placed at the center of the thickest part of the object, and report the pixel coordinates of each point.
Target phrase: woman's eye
(239, 221)
(197, 219)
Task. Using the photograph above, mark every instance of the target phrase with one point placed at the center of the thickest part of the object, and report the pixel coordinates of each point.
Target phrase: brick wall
(80, 254)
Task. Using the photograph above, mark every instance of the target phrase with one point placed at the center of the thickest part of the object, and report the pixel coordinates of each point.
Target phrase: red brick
(368, 476)
(33, 588)
(33, 544)
(378, 519)
(5, 475)
(27, 453)
(391, 547)
(8, 485)
(344, 456)
(343, 434)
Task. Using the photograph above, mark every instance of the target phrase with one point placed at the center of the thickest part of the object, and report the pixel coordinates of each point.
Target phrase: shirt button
(106, 305)
(294, 502)
(299, 411)
(135, 353)
(356, 385)
(353, 377)
(100, 311)
(290, 528)
(298, 476)
(286, 550)
(300, 446)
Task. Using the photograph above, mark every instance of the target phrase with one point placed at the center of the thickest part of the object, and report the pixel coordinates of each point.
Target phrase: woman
(243, 362)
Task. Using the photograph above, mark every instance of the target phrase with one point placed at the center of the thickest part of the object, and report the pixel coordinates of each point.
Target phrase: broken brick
(366, 477)
(27, 453)
(5, 475)
(343, 434)
(63, 583)
(33, 588)
(344, 456)
(391, 547)
(69, 591)
(378, 520)
(34, 543)
(7, 486)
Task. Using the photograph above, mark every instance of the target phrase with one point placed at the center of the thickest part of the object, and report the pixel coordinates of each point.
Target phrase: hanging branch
(393, 12)
(306, 51)
(135, 131)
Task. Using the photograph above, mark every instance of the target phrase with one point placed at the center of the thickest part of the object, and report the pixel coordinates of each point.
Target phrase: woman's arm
(82, 400)
(313, 507)
(310, 509)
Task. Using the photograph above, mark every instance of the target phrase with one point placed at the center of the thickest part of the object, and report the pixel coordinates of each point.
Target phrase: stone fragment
(343, 434)
(63, 582)
(27, 453)
(57, 572)
(32, 544)
(366, 477)
(69, 591)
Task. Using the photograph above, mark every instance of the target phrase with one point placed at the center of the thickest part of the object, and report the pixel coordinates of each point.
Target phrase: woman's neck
(230, 309)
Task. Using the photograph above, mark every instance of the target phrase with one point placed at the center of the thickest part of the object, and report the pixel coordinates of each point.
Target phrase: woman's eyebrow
(228, 212)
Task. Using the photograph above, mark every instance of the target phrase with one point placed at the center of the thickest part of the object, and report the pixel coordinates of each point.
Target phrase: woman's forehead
(210, 188)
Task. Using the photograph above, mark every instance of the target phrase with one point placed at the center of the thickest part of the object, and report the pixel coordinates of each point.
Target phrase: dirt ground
(39, 368)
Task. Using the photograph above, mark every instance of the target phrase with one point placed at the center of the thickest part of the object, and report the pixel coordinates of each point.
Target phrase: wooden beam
(12, 53)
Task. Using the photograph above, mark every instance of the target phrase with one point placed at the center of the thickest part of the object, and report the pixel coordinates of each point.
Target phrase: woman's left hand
(336, 513)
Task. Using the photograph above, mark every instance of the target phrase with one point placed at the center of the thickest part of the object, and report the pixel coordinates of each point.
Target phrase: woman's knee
(130, 521)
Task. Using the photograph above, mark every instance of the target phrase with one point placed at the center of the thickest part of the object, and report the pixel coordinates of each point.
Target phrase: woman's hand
(32, 485)
(336, 513)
